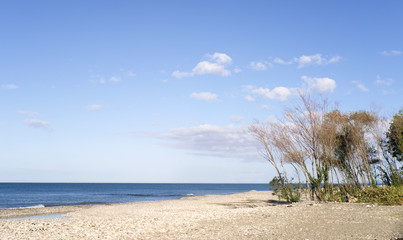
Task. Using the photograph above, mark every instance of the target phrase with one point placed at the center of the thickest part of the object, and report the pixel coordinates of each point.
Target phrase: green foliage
(289, 191)
(392, 147)
(396, 177)
(386, 195)
(322, 193)
(341, 195)
(395, 136)
(315, 185)
(343, 192)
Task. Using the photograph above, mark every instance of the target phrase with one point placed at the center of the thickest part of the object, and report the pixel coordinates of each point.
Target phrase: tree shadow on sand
(253, 203)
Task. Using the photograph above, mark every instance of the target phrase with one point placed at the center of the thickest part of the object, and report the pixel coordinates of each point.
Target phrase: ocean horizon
(38, 195)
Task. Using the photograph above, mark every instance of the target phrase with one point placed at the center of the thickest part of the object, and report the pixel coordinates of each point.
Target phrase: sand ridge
(251, 215)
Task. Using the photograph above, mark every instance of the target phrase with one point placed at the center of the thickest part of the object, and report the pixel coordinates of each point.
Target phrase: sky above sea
(164, 91)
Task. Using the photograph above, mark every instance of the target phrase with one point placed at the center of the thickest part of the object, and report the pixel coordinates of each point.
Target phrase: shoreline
(249, 215)
(7, 213)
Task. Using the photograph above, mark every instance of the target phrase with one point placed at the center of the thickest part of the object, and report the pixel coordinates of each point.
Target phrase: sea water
(37, 195)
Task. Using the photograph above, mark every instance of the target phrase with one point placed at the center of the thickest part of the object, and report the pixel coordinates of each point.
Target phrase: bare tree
(326, 147)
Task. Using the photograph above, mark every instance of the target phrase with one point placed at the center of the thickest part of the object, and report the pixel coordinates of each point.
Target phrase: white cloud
(385, 85)
(94, 107)
(307, 60)
(384, 82)
(131, 74)
(114, 79)
(9, 86)
(205, 96)
(27, 113)
(236, 119)
(206, 67)
(278, 93)
(220, 58)
(316, 59)
(237, 70)
(36, 123)
(281, 61)
(334, 59)
(97, 79)
(258, 66)
(320, 85)
(249, 98)
(391, 53)
(215, 64)
(210, 140)
(360, 86)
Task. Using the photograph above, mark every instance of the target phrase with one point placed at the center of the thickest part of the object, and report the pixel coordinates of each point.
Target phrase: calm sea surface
(23, 195)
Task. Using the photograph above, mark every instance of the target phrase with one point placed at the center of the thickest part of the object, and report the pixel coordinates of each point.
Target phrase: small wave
(190, 194)
(34, 206)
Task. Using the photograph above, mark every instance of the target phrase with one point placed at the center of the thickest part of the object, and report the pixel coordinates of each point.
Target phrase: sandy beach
(251, 215)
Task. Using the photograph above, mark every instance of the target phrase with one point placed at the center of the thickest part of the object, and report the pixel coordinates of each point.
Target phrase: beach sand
(251, 215)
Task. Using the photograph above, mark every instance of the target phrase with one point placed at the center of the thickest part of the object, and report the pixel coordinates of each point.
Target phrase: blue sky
(163, 91)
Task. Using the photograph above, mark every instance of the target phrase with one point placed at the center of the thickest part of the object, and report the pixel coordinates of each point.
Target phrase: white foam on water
(35, 206)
